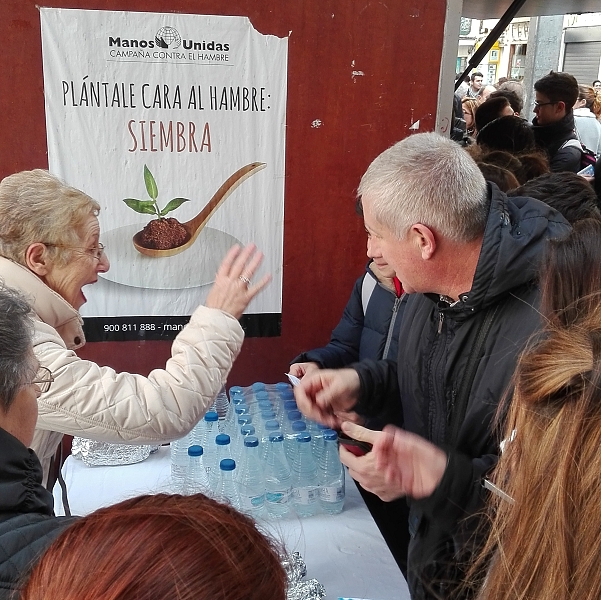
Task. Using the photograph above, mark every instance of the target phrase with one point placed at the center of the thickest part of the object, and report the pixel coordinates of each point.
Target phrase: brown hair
(160, 547)
(35, 206)
(586, 93)
(546, 544)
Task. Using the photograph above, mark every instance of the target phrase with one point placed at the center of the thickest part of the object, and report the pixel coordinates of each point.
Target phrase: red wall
(397, 45)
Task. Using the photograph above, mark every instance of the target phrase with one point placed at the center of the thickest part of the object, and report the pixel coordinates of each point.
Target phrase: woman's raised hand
(233, 289)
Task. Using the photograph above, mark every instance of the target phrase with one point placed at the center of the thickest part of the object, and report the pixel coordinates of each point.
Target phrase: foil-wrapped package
(296, 569)
(306, 590)
(95, 454)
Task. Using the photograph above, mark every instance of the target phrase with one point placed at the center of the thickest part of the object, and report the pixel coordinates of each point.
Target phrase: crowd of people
(467, 356)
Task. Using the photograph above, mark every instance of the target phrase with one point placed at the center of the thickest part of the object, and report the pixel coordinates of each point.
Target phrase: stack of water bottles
(260, 454)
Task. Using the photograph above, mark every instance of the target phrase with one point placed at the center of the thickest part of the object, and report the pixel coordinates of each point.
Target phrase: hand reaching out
(232, 290)
(327, 395)
(301, 369)
(400, 463)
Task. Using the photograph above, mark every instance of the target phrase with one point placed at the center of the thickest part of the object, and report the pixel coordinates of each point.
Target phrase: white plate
(191, 268)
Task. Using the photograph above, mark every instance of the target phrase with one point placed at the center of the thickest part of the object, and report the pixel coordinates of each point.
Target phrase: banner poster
(175, 124)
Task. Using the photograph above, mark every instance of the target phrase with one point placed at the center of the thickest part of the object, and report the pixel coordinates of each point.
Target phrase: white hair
(428, 179)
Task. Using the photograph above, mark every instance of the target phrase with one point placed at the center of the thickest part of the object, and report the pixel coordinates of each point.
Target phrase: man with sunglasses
(553, 125)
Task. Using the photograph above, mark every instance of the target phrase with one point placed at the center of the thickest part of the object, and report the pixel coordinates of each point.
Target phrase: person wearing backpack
(588, 128)
(553, 126)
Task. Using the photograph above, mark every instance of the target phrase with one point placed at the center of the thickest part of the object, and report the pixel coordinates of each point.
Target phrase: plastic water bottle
(231, 416)
(331, 475)
(221, 404)
(222, 450)
(208, 439)
(305, 495)
(290, 445)
(196, 481)
(269, 427)
(226, 486)
(237, 440)
(251, 481)
(317, 441)
(277, 478)
(179, 463)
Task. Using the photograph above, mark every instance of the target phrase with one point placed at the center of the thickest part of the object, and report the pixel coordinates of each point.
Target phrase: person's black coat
(437, 340)
(27, 521)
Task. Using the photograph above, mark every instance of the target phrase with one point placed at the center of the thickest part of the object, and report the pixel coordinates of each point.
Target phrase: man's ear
(36, 259)
(425, 240)
(560, 107)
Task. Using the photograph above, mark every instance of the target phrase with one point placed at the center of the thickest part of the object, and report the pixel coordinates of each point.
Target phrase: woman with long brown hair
(546, 528)
(160, 548)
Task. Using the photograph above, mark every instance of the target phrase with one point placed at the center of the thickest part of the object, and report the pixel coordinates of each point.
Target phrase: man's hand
(301, 369)
(327, 395)
(400, 463)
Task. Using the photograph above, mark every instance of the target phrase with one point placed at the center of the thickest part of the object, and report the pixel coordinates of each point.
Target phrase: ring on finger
(244, 279)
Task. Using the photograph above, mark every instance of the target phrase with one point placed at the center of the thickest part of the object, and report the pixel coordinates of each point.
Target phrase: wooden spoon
(196, 225)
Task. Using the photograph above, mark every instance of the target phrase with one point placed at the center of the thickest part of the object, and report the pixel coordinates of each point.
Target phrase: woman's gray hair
(17, 364)
(35, 207)
(428, 179)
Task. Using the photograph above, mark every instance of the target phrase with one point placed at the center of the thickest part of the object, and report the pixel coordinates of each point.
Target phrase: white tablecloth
(345, 553)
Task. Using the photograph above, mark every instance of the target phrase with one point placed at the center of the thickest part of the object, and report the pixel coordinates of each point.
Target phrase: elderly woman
(49, 250)
(27, 524)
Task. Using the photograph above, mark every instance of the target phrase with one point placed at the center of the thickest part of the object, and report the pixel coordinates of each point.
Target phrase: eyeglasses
(96, 252)
(43, 379)
(538, 104)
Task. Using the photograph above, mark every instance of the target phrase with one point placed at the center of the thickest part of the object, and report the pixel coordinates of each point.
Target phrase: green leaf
(146, 207)
(172, 205)
(151, 184)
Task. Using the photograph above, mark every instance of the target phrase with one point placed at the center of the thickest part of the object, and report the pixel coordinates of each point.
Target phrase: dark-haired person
(503, 178)
(566, 192)
(476, 80)
(597, 86)
(27, 521)
(508, 132)
(160, 547)
(491, 109)
(553, 125)
(515, 101)
(546, 524)
(369, 329)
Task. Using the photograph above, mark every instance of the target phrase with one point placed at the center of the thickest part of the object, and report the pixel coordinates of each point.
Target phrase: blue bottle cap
(258, 386)
(195, 450)
(251, 441)
(242, 409)
(244, 420)
(264, 405)
(330, 435)
(276, 437)
(282, 386)
(303, 437)
(271, 425)
(262, 395)
(247, 430)
(298, 426)
(223, 439)
(236, 389)
(238, 399)
(227, 464)
(290, 405)
(211, 416)
(287, 395)
(294, 415)
(322, 427)
(266, 415)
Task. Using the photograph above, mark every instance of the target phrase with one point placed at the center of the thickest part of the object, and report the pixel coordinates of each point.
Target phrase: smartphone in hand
(356, 447)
